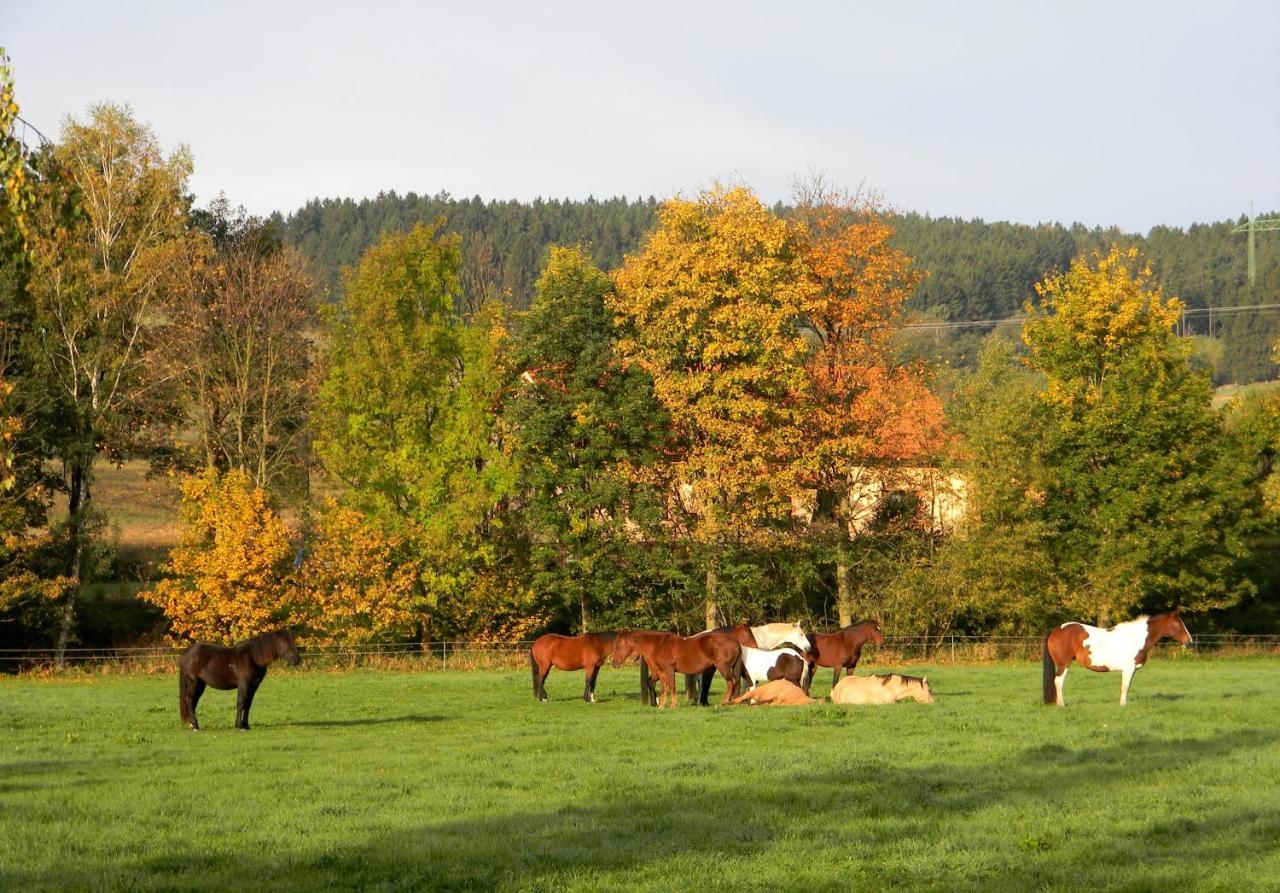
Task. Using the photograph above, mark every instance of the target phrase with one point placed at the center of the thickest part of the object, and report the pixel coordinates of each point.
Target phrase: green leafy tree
(582, 427)
(408, 411)
(1144, 505)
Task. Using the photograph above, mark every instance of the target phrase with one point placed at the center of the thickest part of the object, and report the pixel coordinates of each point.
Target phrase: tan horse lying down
(884, 689)
(780, 692)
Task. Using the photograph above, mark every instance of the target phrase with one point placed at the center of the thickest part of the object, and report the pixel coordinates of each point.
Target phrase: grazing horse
(662, 655)
(843, 648)
(1123, 647)
(695, 693)
(767, 636)
(587, 652)
(241, 667)
(887, 688)
(760, 666)
(779, 692)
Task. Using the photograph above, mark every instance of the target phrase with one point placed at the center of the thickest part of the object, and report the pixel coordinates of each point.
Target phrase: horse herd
(777, 660)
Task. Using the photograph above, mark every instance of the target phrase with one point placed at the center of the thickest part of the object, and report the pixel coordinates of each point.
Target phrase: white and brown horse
(1124, 647)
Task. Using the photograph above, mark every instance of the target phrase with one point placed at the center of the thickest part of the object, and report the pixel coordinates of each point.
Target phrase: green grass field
(390, 781)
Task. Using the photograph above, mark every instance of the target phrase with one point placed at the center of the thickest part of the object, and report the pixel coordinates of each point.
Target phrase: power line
(990, 323)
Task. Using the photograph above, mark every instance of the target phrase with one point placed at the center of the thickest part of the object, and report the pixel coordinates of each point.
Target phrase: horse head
(285, 647)
(1175, 628)
(795, 636)
(622, 647)
(874, 635)
(926, 691)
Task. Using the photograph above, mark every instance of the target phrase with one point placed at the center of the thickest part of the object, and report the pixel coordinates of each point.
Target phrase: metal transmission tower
(1256, 225)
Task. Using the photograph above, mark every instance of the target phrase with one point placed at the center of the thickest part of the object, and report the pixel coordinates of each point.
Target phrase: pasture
(383, 780)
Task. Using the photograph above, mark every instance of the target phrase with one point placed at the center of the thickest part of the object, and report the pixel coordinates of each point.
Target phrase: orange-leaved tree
(358, 581)
(230, 567)
(864, 417)
(708, 309)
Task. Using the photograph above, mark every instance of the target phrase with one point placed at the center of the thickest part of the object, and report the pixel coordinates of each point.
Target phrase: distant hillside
(977, 270)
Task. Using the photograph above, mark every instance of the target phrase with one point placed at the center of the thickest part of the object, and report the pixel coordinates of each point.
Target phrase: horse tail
(1050, 673)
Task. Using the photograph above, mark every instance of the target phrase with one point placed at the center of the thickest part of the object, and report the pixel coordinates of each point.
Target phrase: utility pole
(1256, 225)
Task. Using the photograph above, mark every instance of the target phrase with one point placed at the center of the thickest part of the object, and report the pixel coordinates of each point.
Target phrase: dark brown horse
(587, 652)
(241, 667)
(1123, 647)
(663, 655)
(843, 648)
(697, 686)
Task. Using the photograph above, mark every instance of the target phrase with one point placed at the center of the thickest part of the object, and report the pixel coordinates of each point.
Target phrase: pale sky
(1107, 113)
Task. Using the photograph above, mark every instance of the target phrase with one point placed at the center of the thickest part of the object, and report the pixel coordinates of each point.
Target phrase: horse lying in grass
(779, 692)
(242, 667)
(587, 652)
(766, 636)
(842, 648)
(1124, 647)
(885, 689)
(662, 655)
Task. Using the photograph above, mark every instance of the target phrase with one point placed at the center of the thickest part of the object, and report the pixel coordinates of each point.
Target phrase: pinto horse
(1123, 647)
(242, 667)
(843, 648)
(662, 655)
(587, 652)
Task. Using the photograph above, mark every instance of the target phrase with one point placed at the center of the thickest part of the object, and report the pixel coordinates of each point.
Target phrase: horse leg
(1126, 676)
(589, 695)
(242, 704)
(691, 687)
(836, 675)
(248, 701)
(705, 689)
(197, 689)
(541, 680)
(1059, 678)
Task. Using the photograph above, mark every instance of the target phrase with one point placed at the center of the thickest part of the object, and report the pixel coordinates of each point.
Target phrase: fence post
(444, 650)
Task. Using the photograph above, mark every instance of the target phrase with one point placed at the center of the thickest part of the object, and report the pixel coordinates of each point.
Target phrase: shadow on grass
(910, 824)
(371, 721)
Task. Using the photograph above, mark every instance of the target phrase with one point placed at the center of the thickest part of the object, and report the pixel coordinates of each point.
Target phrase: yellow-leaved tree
(358, 582)
(708, 308)
(231, 565)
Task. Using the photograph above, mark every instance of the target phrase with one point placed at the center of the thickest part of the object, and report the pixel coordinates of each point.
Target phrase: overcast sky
(1107, 113)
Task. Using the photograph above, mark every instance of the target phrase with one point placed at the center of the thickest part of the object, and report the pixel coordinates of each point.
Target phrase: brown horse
(777, 692)
(242, 667)
(843, 648)
(586, 652)
(693, 691)
(665, 654)
(1123, 647)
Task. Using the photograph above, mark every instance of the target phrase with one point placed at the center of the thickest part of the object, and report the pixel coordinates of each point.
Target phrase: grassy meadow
(396, 781)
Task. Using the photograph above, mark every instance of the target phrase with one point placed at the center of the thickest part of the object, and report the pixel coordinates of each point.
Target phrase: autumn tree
(235, 352)
(228, 574)
(356, 584)
(864, 416)
(408, 410)
(580, 422)
(708, 310)
(1144, 506)
(94, 295)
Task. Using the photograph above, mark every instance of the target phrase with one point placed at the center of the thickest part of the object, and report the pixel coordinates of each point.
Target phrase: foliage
(93, 298)
(15, 190)
(235, 359)
(1145, 508)
(357, 583)
(408, 411)
(229, 570)
(583, 428)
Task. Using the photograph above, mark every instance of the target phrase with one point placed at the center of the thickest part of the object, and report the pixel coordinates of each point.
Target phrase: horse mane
(886, 678)
(262, 647)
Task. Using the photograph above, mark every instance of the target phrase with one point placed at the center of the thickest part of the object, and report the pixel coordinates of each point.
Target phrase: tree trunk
(78, 497)
(582, 601)
(844, 595)
(713, 584)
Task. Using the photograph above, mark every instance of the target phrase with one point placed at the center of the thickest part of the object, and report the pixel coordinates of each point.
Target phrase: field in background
(381, 780)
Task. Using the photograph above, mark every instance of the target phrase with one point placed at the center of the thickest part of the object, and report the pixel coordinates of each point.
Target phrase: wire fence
(463, 655)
